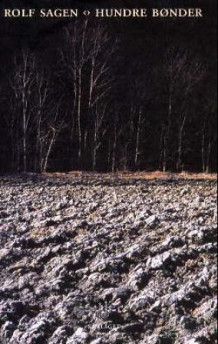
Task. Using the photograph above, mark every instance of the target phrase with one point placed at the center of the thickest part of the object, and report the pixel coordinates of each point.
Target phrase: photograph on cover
(108, 172)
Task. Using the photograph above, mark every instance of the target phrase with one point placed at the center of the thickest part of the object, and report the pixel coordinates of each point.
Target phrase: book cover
(108, 172)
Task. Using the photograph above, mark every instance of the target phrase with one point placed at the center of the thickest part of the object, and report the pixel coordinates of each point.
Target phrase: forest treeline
(95, 98)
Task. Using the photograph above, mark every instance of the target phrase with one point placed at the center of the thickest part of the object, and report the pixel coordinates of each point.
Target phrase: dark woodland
(108, 95)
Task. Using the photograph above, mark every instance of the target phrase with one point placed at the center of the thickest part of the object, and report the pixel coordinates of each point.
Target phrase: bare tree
(192, 73)
(53, 128)
(35, 117)
(84, 103)
(208, 134)
(22, 84)
(49, 117)
(182, 72)
(74, 57)
(136, 118)
(87, 58)
(99, 132)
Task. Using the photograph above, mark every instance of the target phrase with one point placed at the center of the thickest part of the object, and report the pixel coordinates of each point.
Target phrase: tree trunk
(166, 136)
(91, 81)
(24, 143)
(137, 153)
(109, 155)
(161, 149)
(52, 140)
(180, 142)
(203, 152)
(38, 148)
(79, 113)
(95, 147)
(208, 157)
(114, 149)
